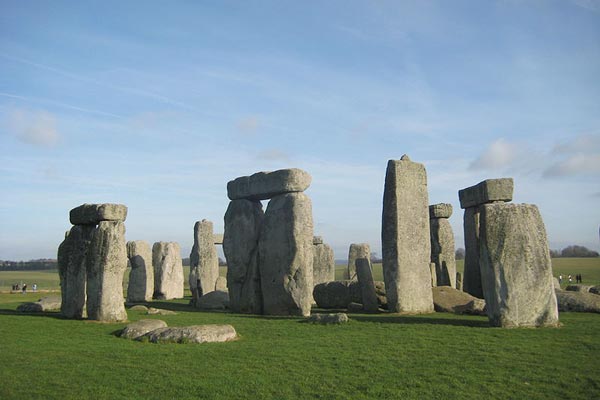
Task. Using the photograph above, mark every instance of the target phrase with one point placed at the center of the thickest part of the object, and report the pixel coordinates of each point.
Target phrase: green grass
(373, 356)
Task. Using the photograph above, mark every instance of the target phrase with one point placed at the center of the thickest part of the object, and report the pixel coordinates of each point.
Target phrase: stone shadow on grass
(46, 314)
(425, 319)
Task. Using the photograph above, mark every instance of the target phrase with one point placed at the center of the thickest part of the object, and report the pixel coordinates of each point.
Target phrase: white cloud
(37, 128)
(577, 164)
(500, 154)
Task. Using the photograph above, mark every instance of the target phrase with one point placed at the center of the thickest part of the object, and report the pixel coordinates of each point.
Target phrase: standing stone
(442, 244)
(141, 277)
(243, 223)
(323, 263)
(515, 266)
(168, 271)
(72, 254)
(204, 262)
(106, 263)
(356, 251)
(459, 285)
(367, 286)
(434, 282)
(405, 238)
(286, 255)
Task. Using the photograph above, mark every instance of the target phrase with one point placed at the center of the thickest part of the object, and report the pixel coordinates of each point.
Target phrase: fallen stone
(433, 274)
(139, 307)
(141, 327)
(327, 319)
(191, 334)
(141, 276)
(159, 311)
(215, 300)
(578, 301)
(488, 191)
(266, 185)
(356, 251)
(595, 289)
(168, 271)
(450, 300)
(50, 303)
(92, 214)
(355, 308)
(334, 294)
(440, 210)
(578, 288)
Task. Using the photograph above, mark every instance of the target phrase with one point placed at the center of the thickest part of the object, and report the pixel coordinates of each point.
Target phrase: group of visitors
(17, 287)
(578, 278)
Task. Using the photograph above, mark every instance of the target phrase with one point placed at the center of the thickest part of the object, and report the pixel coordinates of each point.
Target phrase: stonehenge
(405, 237)
(323, 262)
(367, 286)
(269, 254)
(442, 244)
(141, 277)
(168, 271)
(204, 262)
(356, 251)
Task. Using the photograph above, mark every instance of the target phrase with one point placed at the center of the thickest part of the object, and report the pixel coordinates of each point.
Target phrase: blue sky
(158, 104)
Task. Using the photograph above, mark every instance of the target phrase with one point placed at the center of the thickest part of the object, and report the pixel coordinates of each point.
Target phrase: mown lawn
(384, 356)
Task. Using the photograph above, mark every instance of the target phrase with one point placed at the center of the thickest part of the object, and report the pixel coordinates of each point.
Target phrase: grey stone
(488, 191)
(405, 238)
(317, 240)
(578, 288)
(516, 269)
(578, 301)
(218, 238)
(440, 210)
(106, 264)
(323, 264)
(204, 262)
(168, 271)
(159, 311)
(334, 294)
(595, 289)
(443, 252)
(221, 284)
(139, 328)
(72, 254)
(328, 319)
(215, 300)
(243, 223)
(450, 300)
(286, 255)
(139, 307)
(357, 250)
(556, 283)
(191, 334)
(141, 276)
(355, 308)
(266, 185)
(50, 303)
(433, 274)
(367, 286)
(92, 214)
(472, 273)
(459, 285)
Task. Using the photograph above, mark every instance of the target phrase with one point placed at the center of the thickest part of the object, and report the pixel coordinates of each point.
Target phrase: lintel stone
(92, 214)
(487, 191)
(265, 185)
(441, 210)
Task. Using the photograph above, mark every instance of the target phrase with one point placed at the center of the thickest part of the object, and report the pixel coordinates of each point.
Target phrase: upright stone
(405, 238)
(434, 282)
(72, 254)
(168, 271)
(516, 267)
(356, 251)
(286, 255)
(442, 244)
(204, 262)
(141, 278)
(106, 263)
(243, 223)
(367, 286)
(323, 263)
(459, 285)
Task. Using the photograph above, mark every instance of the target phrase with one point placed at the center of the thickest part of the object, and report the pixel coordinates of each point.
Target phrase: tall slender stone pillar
(442, 244)
(204, 262)
(141, 278)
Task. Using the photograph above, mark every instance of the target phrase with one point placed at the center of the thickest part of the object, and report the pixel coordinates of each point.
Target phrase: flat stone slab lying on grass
(447, 299)
(159, 311)
(49, 303)
(139, 307)
(191, 334)
(338, 294)
(327, 319)
(265, 185)
(595, 289)
(578, 301)
(141, 327)
(578, 288)
(215, 300)
(92, 214)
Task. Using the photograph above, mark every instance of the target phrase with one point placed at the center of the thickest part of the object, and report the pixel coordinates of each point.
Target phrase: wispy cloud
(500, 154)
(37, 128)
(248, 126)
(591, 5)
(273, 155)
(579, 156)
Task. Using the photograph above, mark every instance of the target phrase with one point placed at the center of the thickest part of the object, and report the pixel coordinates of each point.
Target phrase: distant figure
(560, 279)
(17, 287)
(34, 287)
(24, 288)
(570, 279)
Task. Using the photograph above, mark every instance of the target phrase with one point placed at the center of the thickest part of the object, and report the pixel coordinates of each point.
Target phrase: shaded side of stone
(367, 286)
(442, 251)
(471, 282)
(141, 276)
(441, 210)
(168, 271)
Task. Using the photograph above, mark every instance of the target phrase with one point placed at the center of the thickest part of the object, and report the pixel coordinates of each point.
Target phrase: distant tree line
(31, 265)
(574, 251)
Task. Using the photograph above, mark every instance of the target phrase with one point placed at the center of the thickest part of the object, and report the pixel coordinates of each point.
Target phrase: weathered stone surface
(323, 264)
(221, 284)
(317, 240)
(168, 271)
(367, 286)
(215, 300)
(440, 210)
(355, 308)
(50, 303)
(356, 251)
(405, 238)
(72, 254)
(106, 264)
(139, 307)
(243, 223)
(459, 284)
(433, 274)
(578, 288)
(159, 311)
(266, 185)
(218, 238)
(516, 269)
(139, 328)
(595, 289)
(286, 255)
(204, 262)
(442, 251)
(556, 283)
(450, 300)
(334, 294)
(578, 301)
(92, 214)
(488, 191)
(326, 319)
(471, 282)
(191, 334)
(141, 276)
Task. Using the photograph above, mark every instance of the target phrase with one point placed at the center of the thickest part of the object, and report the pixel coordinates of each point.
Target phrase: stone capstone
(191, 334)
(516, 270)
(356, 251)
(488, 191)
(92, 214)
(447, 299)
(327, 319)
(218, 238)
(204, 262)
(406, 238)
(440, 210)
(266, 185)
(168, 271)
(139, 328)
(317, 240)
(141, 276)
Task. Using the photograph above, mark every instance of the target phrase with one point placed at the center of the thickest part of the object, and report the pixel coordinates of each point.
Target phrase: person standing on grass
(24, 288)
(34, 287)
(570, 279)
(560, 279)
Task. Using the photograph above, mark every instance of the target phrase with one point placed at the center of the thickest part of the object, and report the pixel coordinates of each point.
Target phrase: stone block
(488, 191)
(441, 210)
(92, 214)
(265, 185)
